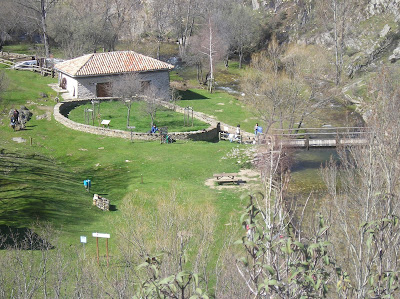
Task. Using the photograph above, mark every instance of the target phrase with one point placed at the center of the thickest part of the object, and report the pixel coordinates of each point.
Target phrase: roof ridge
(89, 58)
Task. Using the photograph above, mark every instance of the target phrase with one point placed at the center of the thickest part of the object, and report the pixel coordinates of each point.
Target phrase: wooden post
(30, 140)
(97, 244)
(107, 250)
(93, 114)
(307, 142)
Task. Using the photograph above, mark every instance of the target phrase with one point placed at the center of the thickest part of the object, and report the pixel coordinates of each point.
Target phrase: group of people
(236, 136)
(165, 137)
(16, 119)
(232, 137)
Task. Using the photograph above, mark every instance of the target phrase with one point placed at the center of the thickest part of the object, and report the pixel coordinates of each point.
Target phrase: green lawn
(221, 105)
(44, 181)
(116, 111)
(26, 86)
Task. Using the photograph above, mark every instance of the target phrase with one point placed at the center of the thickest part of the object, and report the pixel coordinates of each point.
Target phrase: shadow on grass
(21, 238)
(35, 188)
(191, 95)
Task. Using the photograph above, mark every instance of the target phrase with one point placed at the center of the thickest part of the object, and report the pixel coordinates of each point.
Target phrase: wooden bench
(226, 178)
(106, 122)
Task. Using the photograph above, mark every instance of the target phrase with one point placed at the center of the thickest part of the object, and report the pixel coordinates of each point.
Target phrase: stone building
(93, 75)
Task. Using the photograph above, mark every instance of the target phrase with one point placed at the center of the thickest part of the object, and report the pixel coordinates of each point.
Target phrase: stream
(305, 172)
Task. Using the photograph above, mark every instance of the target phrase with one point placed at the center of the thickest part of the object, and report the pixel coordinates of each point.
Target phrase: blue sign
(87, 183)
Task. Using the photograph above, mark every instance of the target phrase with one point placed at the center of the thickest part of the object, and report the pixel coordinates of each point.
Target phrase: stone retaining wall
(61, 111)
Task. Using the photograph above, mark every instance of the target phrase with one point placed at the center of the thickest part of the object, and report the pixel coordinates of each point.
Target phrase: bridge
(321, 137)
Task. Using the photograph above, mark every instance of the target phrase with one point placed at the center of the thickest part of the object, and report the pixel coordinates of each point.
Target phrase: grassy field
(116, 111)
(44, 181)
(221, 105)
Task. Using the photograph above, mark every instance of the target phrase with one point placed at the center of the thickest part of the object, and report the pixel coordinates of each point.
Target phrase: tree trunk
(210, 54)
(127, 118)
(240, 57)
(43, 13)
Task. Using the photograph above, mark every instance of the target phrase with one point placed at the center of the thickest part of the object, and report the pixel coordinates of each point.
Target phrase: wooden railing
(322, 137)
(44, 71)
(7, 62)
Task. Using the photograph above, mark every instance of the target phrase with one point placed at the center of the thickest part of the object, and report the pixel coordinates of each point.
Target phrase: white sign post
(83, 241)
(97, 236)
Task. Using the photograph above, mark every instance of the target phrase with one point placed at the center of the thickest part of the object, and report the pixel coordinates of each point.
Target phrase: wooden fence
(7, 62)
(44, 71)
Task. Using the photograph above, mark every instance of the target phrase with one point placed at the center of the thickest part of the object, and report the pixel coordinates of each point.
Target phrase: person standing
(12, 122)
(256, 129)
(237, 134)
(16, 115)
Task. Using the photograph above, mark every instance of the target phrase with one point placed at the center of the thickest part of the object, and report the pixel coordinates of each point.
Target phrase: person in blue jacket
(256, 129)
(154, 129)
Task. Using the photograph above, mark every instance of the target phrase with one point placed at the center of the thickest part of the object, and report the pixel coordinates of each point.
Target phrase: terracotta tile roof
(108, 63)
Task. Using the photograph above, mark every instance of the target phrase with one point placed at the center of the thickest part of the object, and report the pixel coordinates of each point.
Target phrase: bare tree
(10, 21)
(160, 241)
(81, 27)
(335, 17)
(283, 87)
(39, 10)
(364, 192)
(129, 89)
(273, 95)
(161, 18)
(75, 27)
(184, 13)
(210, 44)
(152, 99)
(115, 19)
(243, 28)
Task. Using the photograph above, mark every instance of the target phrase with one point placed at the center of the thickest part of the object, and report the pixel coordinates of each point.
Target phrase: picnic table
(226, 178)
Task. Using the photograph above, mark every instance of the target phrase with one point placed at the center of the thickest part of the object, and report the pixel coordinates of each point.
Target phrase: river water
(305, 172)
(306, 176)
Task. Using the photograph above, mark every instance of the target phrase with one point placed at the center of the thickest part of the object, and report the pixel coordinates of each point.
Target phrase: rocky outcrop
(364, 59)
(396, 54)
(375, 7)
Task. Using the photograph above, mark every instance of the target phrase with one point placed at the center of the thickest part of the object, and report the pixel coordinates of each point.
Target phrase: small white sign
(99, 235)
(83, 239)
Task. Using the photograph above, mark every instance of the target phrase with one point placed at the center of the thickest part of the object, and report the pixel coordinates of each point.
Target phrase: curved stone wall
(62, 109)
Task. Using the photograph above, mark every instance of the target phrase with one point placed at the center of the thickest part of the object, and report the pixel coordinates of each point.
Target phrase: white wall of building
(85, 87)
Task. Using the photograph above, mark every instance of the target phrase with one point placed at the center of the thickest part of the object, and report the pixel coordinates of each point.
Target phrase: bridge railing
(321, 137)
(324, 132)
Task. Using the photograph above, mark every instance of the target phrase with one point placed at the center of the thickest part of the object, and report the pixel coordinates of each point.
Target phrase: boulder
(396, 54)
